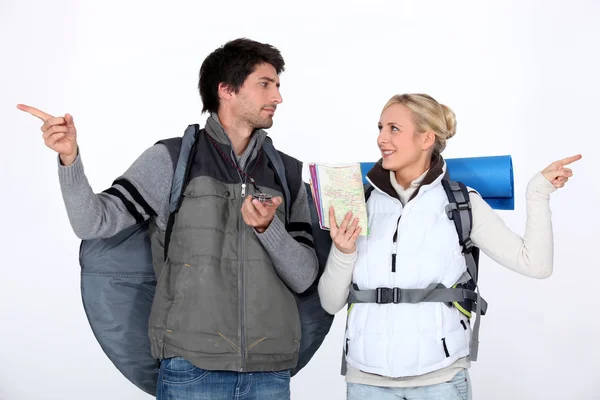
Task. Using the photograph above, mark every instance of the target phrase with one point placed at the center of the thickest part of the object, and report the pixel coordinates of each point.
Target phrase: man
(224, 322)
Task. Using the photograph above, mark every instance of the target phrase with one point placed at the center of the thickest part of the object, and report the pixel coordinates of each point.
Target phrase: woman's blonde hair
(429, 115)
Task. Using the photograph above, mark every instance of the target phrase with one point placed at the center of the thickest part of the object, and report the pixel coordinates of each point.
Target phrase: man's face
(255, 103)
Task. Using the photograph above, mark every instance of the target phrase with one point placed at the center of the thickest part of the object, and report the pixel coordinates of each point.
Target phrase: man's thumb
(277, 201)
(69, 120)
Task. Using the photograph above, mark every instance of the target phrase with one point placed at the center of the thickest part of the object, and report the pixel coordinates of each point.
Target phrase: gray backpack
(118, 282)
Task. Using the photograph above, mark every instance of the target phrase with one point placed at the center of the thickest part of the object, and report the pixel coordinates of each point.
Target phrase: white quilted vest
(400, 340)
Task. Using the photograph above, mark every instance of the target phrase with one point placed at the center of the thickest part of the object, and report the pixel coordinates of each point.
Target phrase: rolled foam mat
(491, 176)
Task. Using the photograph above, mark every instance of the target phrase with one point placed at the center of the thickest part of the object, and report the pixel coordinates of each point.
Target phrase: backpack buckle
(384, 295)
(468, 245)
(450, 208)
(387, 295)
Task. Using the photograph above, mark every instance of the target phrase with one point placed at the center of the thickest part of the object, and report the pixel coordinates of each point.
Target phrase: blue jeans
(178, 379)
(456, 389)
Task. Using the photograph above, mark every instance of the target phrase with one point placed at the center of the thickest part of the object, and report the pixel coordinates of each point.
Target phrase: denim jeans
(178, 379)
(456, 389)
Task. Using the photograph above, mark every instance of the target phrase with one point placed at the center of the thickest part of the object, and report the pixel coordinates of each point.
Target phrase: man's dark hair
(231, 64)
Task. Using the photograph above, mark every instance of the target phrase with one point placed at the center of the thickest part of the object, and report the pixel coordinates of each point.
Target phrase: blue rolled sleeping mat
(491, 176)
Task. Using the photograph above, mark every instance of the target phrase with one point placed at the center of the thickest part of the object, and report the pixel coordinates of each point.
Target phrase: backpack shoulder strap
(459, 211)
(368, 189)
(277, 162)
(181, 169)
(180, 173)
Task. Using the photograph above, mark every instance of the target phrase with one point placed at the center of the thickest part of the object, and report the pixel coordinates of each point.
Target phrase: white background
(522, 77)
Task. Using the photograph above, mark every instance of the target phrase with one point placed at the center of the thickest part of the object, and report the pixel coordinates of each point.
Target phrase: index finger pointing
(34, 111)
(569, 160)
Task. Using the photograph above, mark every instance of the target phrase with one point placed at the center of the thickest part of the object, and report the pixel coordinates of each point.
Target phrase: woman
(421, 351)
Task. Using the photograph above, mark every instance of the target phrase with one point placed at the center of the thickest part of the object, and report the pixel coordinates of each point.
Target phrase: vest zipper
(395, 245)
(241, 285)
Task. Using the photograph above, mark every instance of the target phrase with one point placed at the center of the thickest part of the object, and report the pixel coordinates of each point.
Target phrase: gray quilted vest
(118, 281)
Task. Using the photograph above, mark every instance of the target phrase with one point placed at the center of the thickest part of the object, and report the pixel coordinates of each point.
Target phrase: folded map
(340, 186)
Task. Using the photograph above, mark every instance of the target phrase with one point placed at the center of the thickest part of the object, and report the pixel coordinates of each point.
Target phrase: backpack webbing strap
(180, 175)
(187, 142)
(434, 293)
(459, 211)
(277, 162)
(367, 188)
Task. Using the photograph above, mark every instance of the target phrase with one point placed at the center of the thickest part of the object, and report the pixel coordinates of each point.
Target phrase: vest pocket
(210, 188)
(161, 302)
(208, 204)
(445, 347)
(445, 326)
(354, 334)
(178, 289)
(455, 332)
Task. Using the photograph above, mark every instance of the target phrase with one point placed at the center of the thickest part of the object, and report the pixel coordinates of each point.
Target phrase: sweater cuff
(271, 237)
(72, 174)
(539, 184)
(343, 256)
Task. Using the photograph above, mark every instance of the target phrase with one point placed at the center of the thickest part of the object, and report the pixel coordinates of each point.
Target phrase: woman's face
(400, 145)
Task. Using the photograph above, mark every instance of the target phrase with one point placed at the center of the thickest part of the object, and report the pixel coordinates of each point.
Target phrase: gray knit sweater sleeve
(292, 251)
(141, 192)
